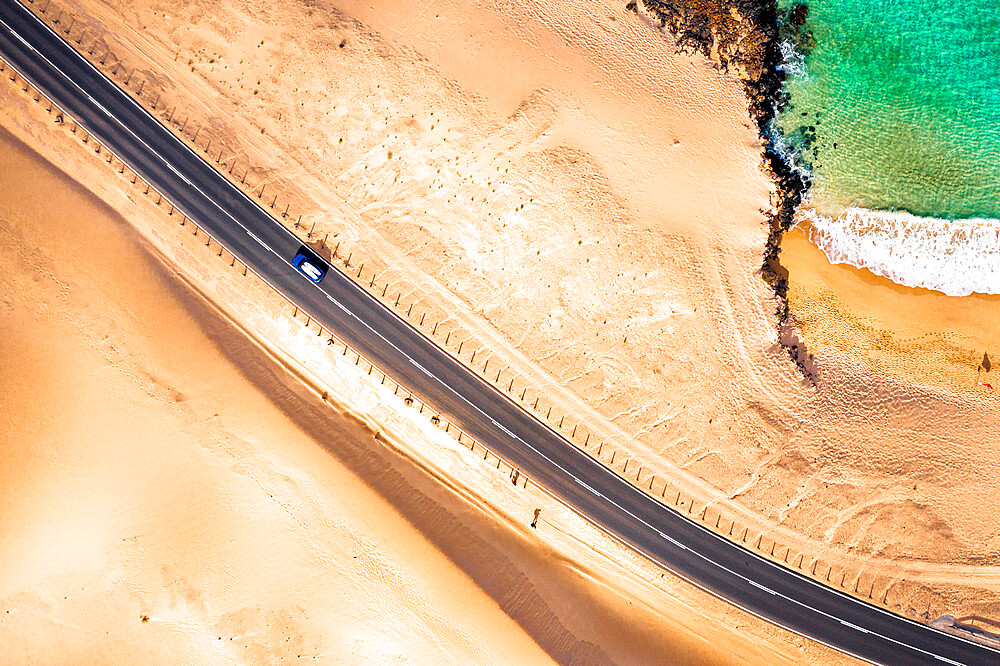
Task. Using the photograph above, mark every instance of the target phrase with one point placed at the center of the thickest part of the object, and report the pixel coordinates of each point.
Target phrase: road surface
(736, 574)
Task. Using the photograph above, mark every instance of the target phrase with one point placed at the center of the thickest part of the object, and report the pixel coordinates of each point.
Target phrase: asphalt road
(680, 545)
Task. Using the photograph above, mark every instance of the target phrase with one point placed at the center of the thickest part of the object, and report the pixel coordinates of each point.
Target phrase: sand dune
(586, 204)
(170, 494)
(595, 219)
(158, 507)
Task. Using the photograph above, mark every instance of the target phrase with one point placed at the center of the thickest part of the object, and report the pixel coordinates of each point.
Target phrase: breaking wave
(956, 257)
(793, 63)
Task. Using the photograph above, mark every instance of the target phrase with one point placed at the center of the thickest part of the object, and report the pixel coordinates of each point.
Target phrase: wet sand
(913, 334)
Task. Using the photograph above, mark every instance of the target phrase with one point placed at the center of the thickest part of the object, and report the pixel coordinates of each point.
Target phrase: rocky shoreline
(744, 37)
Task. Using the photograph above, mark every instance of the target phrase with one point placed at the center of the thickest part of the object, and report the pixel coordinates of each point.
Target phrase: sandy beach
(914, 335)
(173, 494)
(560, 188)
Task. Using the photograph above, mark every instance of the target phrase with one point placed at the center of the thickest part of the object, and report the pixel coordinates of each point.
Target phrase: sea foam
(956, 257)
(793, 63)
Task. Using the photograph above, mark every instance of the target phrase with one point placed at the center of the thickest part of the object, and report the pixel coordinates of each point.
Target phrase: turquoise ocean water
(895, 112)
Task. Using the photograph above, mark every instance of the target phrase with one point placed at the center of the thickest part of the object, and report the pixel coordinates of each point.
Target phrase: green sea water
(897, 106)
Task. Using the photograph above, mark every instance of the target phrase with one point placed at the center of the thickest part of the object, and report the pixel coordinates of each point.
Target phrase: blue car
(309, 264)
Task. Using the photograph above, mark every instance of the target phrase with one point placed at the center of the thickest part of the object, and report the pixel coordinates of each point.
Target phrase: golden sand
(171, 494)
(585, 204)
(157, 506)
(916, 335)
(595, 222)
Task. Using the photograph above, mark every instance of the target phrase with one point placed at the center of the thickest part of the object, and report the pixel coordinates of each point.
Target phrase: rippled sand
(156, 506)
(170, 494)
(626, 290)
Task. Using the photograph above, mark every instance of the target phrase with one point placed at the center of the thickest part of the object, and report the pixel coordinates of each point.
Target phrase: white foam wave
(787, 153)
(956, 257)
(793, 63)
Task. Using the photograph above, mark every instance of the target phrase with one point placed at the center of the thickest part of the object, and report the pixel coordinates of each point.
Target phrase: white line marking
(501, 426)
(586, 486)
(854, 626)
(673, 541)
(339, 304)
(420, 367)
(766, 589)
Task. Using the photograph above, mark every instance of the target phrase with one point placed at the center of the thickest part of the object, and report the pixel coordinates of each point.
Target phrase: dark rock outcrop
(743, 36)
